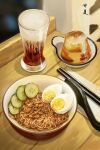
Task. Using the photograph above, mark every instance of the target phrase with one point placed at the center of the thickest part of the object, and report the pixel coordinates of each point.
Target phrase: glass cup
(33, 26)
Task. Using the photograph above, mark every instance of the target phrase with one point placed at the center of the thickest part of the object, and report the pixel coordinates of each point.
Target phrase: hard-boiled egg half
(51, 91)
(62, 103)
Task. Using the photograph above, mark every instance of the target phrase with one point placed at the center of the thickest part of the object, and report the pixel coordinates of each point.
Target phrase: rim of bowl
(36, 132)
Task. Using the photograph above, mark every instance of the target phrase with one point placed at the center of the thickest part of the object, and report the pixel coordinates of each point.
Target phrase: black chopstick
(89, 93)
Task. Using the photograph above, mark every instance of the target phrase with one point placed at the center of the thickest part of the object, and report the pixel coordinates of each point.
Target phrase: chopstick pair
(89, 93)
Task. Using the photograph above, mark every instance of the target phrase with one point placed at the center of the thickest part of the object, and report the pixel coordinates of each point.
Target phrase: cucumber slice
(15, 101)
(31, 90)
(12, 109)
(21, 93)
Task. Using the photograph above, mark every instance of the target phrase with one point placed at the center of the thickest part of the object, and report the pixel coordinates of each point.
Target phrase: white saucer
(58, 41)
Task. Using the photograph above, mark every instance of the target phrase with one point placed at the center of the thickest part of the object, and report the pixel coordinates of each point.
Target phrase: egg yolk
(58, 104)
(49, 95)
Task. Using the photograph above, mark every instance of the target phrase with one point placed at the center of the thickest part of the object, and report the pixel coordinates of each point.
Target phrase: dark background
(9, 11)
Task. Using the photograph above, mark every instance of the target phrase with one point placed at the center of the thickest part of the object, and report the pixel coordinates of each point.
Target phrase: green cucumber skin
(15, 101)
(20, 92)
(31, 90)
(12, 109)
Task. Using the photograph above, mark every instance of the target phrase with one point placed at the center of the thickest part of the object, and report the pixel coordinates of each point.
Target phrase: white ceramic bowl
(42, 81)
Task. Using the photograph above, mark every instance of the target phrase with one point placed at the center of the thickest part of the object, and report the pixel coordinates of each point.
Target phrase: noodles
(35, 114)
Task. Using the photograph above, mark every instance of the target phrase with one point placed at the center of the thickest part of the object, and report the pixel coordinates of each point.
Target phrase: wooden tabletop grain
(79, 135)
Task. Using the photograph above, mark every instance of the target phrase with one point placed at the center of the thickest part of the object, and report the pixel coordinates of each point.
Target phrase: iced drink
(33, 25)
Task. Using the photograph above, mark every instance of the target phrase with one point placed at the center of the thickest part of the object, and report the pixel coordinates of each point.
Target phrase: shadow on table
(19, 69)
(11, 131)
(95, 7)
(93, 130)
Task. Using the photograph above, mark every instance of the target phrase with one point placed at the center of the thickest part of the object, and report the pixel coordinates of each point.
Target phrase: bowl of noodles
(28, 112)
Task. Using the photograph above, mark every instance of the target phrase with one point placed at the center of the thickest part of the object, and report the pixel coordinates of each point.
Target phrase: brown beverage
(33, 55)
(33, 25)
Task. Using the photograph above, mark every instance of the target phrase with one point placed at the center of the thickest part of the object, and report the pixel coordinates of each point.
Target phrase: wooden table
(79, 135)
